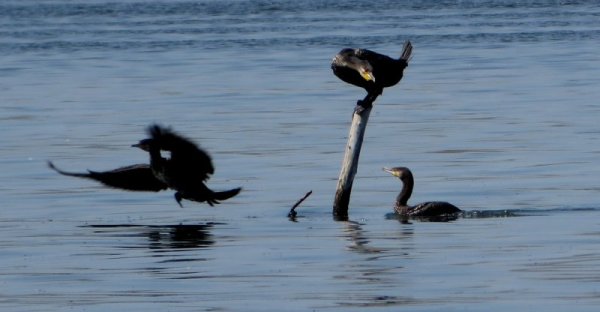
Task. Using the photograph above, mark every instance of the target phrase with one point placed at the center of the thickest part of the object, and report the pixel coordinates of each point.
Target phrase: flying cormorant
(187, 168)
(370, 70)
(426, 209)
(185, 171)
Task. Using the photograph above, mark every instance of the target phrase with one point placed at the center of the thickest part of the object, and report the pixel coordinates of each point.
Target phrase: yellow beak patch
(368, 76)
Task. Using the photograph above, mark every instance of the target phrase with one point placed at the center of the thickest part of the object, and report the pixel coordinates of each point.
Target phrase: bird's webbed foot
(212, 202)
(361, 105)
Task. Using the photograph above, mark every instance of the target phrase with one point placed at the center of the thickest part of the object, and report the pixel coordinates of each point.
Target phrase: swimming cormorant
(370, 70)
(187, 168)
(426, 209)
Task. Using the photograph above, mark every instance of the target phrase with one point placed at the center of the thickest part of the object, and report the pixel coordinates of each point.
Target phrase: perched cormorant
(370, 70)
(427, 209)
(185, 171)
(187, 168)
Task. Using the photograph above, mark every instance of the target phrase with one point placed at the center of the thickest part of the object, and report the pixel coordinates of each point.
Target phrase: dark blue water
(497, 114)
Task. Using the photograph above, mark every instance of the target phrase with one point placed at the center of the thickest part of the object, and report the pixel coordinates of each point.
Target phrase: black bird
(427, 209)
(187, 168)
(185, 171)
(370, 70)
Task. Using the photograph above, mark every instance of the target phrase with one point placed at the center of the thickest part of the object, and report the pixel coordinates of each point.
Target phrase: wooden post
(350, 164)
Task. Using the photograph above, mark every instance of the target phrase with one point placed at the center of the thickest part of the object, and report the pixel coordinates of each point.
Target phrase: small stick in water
(293, 213)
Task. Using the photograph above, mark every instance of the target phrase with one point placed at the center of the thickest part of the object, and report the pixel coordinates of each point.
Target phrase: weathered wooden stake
(350, 164)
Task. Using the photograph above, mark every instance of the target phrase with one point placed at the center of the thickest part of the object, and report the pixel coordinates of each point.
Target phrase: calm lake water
(498, 113)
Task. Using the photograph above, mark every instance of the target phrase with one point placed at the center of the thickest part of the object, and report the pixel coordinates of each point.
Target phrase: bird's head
(143, 144)
(347, 57)
(366, 71)
(399, 172)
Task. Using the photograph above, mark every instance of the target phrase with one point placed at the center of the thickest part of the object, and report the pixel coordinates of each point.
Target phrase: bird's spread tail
(206, 195)
(71, 174)
(227, 194)
(406, 51)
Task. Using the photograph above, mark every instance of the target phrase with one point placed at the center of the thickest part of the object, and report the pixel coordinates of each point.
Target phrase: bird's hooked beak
(390, 171)
(363, 67)
(143, 145)
(366, 74)
(138, 145)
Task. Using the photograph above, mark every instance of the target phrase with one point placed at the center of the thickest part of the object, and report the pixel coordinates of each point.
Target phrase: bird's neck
(155, 156)
(407, 188)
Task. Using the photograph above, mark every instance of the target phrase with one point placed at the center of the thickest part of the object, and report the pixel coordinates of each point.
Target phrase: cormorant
(427, 209)
(187, 168)
(185, 171)
(370, 70)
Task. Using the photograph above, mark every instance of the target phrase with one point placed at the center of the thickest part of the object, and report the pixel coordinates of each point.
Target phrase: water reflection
(181, 237)
(358, 239)
(376, 272)
(162, 237)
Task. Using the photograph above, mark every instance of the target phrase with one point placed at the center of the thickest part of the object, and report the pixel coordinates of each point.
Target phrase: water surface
(497, 112)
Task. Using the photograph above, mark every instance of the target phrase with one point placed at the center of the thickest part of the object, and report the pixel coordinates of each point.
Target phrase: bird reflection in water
(181, 237)
(163, 237)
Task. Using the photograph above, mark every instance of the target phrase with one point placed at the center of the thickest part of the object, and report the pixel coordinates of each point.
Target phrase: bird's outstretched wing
(186, 156)
(132, 178)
